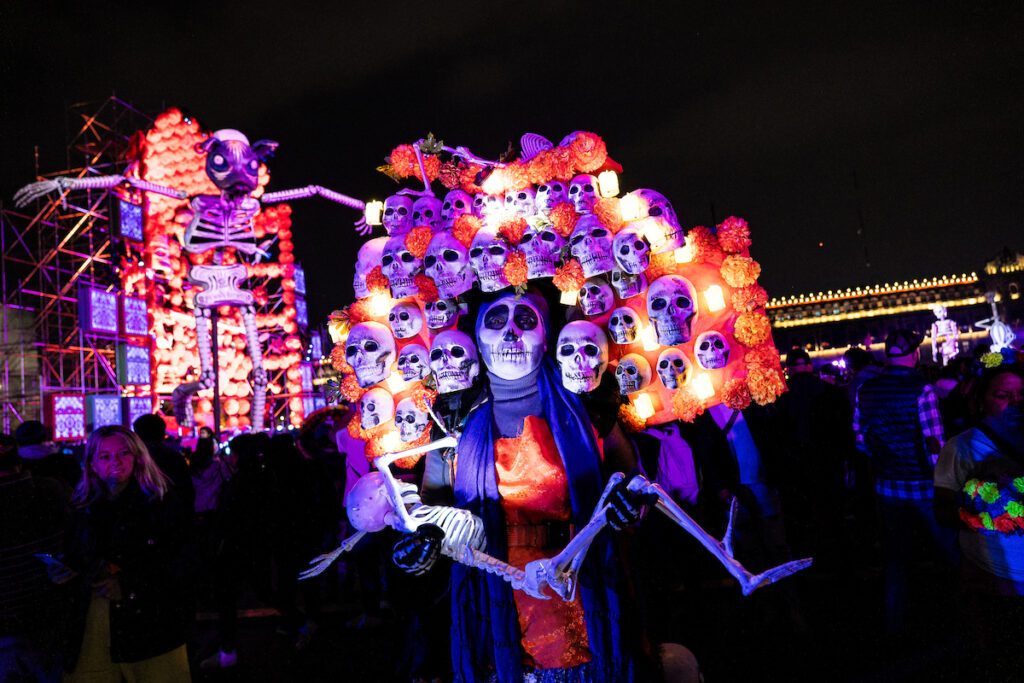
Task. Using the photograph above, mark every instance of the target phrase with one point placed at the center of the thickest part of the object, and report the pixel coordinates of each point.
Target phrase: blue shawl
(485, 626)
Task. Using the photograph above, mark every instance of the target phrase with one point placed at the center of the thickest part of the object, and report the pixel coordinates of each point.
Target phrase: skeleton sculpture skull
(596, 296)
(410, 420)
(401, 267)
(456, 203)
(370, 350)
(405, 320)
(624, 325)
(488, 208)
(511, 335)
(633, 373)
(412, 362)
(549, 195)
(370, 255)
(582, 355)
(591, 245)
(376, 407)
(397, 215)
(712, 351)
(671, 307)
(669, 235)
(673, 368)
(487, 256)
(631, 250)
(447, 262)
(583, 193)
(441, 313)
(542, 247)
(453, 361)
(627, 286)
(427, 211)
(520, 202)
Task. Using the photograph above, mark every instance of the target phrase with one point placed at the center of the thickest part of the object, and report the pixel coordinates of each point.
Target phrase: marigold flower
(450, 175)
(539, 169)
(746, 299)
(376, 281)
(752, 329)
(570, 277)
(733, 235)
(686, 406)
(703, 244)
(563, 218)
(630, 418)
(468, 178)
(418, 239)
(338, 361)
(740, 271)
(736, 394)
(403, 160)
(422, 397)
(661, 264)
(516, 176)
(765, 384)
(562, 164)
(512, 230)
(765, 354)
(607, 211)
(588, 151)
(359, 311)
(428, 289)
(351, 390)
(515, 269)
(465, 229)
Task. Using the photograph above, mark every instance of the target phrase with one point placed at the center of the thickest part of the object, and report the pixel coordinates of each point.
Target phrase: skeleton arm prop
(63, 184)
(315, 190)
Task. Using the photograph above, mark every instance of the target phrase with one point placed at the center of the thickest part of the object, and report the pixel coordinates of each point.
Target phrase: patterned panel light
(137, 406)
(132, 364)
(300, 280)
(68, 417)
(301, 313)
(97, 310)
(103, 411)
(136, 321)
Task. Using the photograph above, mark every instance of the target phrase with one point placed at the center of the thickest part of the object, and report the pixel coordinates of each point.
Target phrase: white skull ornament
(633, 373)
(624, 325)
(427, 211)
(627, 286)
(441, 313)
(582, 356)
(583, 193)
(591, 244)
(712, 351)
(596, 296)
(487, 256)
(542, 247)
(411, 421)
(671, 306)
(370, 350)
(412, 362)
(456, 203)
(549, 195)
(488, 208)
(401, 267)
(454, 361)
(447, 262)
(631, 250)
(654, 205)
(397, 215)
(369, 257)
(520, 203)
(376, 407)
(405, 320)
(511, 335)
(673, 368)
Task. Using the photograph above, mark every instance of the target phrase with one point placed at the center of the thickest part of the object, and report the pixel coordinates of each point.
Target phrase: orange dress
(534, 489)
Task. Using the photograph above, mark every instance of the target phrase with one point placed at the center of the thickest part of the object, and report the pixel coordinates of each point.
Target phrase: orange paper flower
(422, 396)
(686, 406)
(351, 390)
(630, 419)
(607, 211)
(749, 298)
(515, 269)
(465, 229)
(752, 329)
(733, 235)
(432, 165)
(338, 361)
(661, 264)
(512, 230)
(765, 354)
(428, 290)
(468, 178)
(516, 176)
(704, 245)
(740, 271)
(562, 164)
(765, 384)
(569, 278)
(539, 168)
(417, 240)
(563, 218)
(736, 394)
(403, 160)
(376, 281)
(359, 312)
(450, 174)
(588, 151)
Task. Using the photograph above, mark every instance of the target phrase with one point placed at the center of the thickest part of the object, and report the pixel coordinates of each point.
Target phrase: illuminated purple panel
(136, 318)
(133, 364)
(300, 280)
(103, 411)
(308, 405)
(137, 406)
(319, 402)
(316, 347)
(130, 220)
(68, 417)
(307, 377)
(97, 310)
(301, 313)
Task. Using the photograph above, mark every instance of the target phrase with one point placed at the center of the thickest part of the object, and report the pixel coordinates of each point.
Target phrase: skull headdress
(671, 307)
(596, 296)
(582, 355)
(412, 362)
(376, 407)
(511, 335)
(591, 244)
(370, 350)
(673, 368)
(542, 246)
(453, 361)
(624, 325)
(405, 320)
(633, 373)
(397, 216)
(370, 255)
(410, 420)
(487, 256)
(447, 262)
(401, 267)
(712, 351)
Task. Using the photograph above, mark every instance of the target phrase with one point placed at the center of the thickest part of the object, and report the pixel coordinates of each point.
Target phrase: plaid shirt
(931, 425)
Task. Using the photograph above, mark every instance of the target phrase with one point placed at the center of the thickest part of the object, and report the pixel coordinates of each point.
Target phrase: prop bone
(318, 564)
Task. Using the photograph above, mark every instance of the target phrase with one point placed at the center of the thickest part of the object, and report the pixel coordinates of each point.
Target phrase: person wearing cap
(41, 456)
(897, 422)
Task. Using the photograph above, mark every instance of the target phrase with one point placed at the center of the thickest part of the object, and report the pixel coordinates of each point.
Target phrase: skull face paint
(376, 407)
(447, 262)
(456, 203)
(673, 368)
(453, 361)
(549, 195)
(511, 336)
(671, 307)
(624, 325)
(405, 320)
(712, 351)
(397, 216)
(412, 362)
(591, 244)
(487, 256)
(627, 286)
(370, 255)
(583, 193)
(401, 267)
(542, 247)
(631, 250)
(426, 211)
(370, 350)
(582, 355)
(596, 296)
(633, 373)
(441, 313)
(520, 203)
(410, 420)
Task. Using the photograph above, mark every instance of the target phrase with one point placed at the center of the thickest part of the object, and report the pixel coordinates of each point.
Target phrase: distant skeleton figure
(218, 222)
(1001, 334)
(945, 336)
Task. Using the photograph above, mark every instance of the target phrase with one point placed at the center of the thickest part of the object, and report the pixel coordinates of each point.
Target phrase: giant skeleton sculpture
(218, 222)
(945, 336)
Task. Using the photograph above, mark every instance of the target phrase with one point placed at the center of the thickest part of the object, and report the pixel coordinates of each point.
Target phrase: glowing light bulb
(714, 298)
(395, 383)
(608, 183)
(373, 211)
(683, 254)
(629, 207)
(649, 338)
(702, 386)
(380, 304)
(391, 442)
(569, 298)
(644, 406)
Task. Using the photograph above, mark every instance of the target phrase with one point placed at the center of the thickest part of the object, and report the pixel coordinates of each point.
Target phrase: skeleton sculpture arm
(64, 184)
(315, 190)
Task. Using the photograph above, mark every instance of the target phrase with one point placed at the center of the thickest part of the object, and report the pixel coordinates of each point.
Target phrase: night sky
(862, 143)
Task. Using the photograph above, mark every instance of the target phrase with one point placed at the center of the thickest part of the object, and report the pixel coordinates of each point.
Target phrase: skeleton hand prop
(625, 506)
(318, 564)
(417, 553)
(33, 191)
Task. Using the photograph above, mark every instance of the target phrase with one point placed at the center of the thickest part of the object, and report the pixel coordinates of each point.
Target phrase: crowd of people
(106, 554)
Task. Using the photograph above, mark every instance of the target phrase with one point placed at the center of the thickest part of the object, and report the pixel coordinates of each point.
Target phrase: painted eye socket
(351, 351)
(476, 252)
(659, 304)
(655, 211)
(705, 345)
(639, 245)
(548, 236)
(526, 318)
(371, 346)
(413, 358)
(588, 187)
(496, 250)
(663, 365)
(593, 290)
(574, 189)
(371, 407)
(458, 352)
(496, 318)
(450, 255)
(430, 261)
(719, 344)
(615, 321)
(403, 316)
(598, 232)
(447, 206)
(627, 319)
(683, 302)
(435, 355)
(441, 306)
(527, 238)
(556, 187)
(388, 260)
(576, 240)
(403, 211)
(624, 250)
(521, 196)
(460, 204)
(566, 350)
(630, 370)
(407, 257)
(591, 350)
(678, 363)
